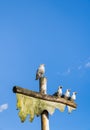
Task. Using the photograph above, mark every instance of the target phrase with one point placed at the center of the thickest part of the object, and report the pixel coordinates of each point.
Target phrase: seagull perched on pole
(67, 94)
(73, 97)
(40, 71)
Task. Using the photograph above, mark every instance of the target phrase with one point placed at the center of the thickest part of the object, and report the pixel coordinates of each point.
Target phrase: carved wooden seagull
(73, 97)
(59, 92)
(67, 94)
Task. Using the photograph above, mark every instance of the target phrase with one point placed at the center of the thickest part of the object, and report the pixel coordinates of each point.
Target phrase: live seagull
(40, 71)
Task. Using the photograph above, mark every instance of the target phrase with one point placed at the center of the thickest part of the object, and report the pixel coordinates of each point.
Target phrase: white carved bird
(73, 97)
(59, 92)
(67, 93)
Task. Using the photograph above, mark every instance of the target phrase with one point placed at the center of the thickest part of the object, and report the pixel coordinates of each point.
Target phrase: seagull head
(42, 65)
(68, 90)
(60, 87)
(74, 93)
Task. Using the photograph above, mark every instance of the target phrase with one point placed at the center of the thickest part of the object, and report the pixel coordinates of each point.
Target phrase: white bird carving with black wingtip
(73, 97)
(67, 94)
(59, 92)
(40, 71)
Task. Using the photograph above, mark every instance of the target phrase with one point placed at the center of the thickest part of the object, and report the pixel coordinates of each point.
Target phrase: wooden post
(45, 114)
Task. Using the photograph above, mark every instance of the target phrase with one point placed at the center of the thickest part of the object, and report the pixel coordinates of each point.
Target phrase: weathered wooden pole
(45, 114)
(45, 97)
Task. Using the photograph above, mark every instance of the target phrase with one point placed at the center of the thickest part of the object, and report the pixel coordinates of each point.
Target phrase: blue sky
(55, 33)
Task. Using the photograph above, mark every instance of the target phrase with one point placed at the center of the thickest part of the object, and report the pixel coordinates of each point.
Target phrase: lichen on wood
(34, 107)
